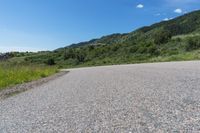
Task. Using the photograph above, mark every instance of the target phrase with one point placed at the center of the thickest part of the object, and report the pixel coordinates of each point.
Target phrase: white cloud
(178, 10)
(140, 6)
(166, 19)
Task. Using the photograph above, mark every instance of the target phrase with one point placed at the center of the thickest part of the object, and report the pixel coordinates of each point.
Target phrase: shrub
(192, 44)
(115, 48)
(162, 36)
(80, 56)
(91, 47)
(69, 53)
(133, 49)
(43, 75)
(51, 62)
(152, 50)
(142, 50)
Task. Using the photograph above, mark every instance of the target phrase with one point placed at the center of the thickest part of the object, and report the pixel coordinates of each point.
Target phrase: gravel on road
(157, 97)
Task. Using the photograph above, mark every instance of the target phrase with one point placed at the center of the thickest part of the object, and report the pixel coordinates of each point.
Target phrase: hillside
(189, 23)
(177, 39)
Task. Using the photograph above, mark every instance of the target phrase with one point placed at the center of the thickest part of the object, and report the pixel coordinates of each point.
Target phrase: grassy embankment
(12, 74)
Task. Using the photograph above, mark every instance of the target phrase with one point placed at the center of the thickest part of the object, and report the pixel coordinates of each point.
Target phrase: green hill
(177, 39)
(186, 24)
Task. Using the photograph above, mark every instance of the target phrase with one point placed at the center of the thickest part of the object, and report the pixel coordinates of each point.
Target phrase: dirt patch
(10, 91)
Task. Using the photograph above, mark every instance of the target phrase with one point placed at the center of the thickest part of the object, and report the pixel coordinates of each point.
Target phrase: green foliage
(165, 39)
(153, 50)
(80, 56)
(193, 43)
(12, 74)
(50, 62)
(69, 53)
(162, 36)
(174, 40)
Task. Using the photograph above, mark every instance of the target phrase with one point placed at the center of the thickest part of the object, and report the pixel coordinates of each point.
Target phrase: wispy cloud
(178, 10)
(140, 6)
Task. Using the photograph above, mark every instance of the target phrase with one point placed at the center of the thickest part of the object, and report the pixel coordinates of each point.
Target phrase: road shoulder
(10, 91)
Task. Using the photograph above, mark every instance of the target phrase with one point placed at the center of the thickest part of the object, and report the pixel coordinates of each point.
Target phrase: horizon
(42, 26)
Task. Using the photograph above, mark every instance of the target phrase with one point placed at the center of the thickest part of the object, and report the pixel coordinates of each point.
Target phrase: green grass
(182, 56)
(16, 70)
(12, 74)
(186, 36)
(185, 56)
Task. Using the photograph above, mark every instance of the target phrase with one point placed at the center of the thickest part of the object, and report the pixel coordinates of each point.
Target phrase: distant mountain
(176, 39)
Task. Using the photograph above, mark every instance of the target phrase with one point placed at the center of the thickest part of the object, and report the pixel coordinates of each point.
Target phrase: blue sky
(32, 25)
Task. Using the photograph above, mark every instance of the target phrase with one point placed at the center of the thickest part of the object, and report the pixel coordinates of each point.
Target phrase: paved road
(161, 97)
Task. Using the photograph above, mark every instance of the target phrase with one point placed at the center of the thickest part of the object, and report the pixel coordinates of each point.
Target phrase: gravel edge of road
(10, 91)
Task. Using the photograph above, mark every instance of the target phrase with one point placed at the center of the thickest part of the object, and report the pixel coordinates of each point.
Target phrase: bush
(142, 50)
(91, 47)
(152, 50)
(162, 36)
(133, 49)
(193, 44)
(80, 56)
(69, 53)
(51, 62)
(115, 48)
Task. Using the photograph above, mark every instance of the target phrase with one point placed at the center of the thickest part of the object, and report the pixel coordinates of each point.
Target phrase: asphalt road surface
(160, 97)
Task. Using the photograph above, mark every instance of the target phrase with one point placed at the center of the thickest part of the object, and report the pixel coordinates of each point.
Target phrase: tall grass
(12, 74)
